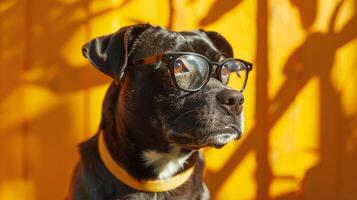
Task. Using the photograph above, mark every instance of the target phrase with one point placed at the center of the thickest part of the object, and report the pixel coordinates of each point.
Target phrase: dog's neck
(144, 154)
(140, 150)
(149, 162)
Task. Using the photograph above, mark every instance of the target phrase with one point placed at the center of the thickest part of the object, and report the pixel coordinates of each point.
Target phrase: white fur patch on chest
(165, 164)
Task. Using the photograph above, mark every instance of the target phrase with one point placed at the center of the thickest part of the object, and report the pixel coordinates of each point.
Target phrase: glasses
(191, 72)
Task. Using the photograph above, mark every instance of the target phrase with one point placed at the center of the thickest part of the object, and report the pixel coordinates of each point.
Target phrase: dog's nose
(231, 100)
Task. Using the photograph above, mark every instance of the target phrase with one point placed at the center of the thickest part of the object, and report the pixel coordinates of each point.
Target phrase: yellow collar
(121, 174)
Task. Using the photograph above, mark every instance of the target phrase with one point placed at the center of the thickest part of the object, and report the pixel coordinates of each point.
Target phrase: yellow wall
(301, 136)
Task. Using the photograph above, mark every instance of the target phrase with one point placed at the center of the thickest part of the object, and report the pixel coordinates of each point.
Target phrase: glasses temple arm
(148, 60)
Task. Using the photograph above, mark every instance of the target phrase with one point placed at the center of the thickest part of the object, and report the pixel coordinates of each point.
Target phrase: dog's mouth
(231, 132)
(216, 139)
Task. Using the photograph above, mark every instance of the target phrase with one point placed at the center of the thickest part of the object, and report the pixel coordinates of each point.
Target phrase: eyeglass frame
(170, 58)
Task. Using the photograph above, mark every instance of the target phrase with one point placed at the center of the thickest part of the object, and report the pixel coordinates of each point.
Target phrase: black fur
(143, 110)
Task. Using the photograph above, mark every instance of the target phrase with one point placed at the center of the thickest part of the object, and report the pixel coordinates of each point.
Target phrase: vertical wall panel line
(25, 67)
(263, 171)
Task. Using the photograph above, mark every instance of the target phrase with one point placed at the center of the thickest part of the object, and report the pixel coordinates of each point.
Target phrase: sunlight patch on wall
(16, 189)
(294, 141)
(241, 182)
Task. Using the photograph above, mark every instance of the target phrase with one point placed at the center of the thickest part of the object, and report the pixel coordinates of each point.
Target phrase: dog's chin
(220, 140)
(208, 136)
(216, 140)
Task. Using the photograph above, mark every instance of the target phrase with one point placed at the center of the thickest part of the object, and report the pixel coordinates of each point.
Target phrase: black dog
(162, 106)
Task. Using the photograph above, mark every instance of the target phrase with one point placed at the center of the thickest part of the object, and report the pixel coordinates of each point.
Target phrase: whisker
(198, 121)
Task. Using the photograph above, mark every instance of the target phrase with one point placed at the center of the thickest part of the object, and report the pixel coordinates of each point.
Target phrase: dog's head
(150, 106)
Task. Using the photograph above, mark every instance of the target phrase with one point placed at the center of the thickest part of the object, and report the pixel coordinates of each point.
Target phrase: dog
(168, 99)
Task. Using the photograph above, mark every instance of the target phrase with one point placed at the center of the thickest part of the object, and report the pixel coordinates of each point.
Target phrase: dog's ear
(220, 43)
(109, 53)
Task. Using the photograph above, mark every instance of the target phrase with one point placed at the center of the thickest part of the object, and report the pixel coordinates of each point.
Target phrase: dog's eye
(190, 72)
(225, 71)
(180, 67)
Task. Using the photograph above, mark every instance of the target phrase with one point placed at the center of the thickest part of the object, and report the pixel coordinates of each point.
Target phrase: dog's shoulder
(85, 179)
(91, 180)
(88, 149)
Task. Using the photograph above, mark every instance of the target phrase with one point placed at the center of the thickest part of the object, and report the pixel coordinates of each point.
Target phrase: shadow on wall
(32, 56)
(334, 176)
(315, 57)
(43, 36)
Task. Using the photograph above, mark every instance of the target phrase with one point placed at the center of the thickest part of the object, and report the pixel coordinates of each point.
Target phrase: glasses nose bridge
(215, 65)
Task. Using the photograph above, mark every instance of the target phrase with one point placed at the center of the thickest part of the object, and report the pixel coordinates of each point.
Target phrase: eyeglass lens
(191, 72)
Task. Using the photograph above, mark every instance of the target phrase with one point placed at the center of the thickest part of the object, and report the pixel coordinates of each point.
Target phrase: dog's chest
(166, 164)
